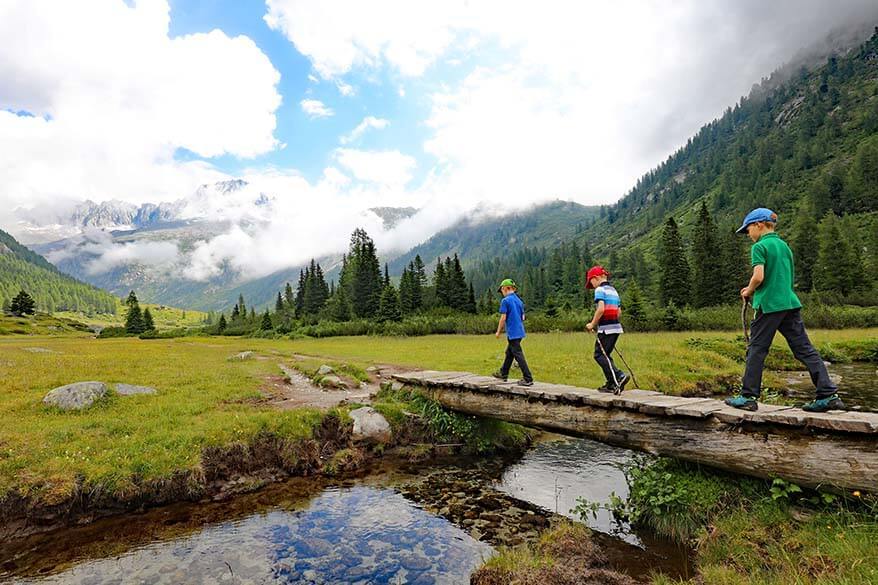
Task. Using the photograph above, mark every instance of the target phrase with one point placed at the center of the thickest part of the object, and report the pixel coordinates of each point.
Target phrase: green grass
(163, 316)
(202, 401)
(41, 324)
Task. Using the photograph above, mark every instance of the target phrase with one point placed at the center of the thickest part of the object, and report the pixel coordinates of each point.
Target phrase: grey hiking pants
(790, 325)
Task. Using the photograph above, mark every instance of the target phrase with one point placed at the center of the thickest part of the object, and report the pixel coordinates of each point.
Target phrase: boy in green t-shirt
(777, 309)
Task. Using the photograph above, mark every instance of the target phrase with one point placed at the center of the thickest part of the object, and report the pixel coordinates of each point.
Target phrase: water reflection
(346, 535)
(857, 384)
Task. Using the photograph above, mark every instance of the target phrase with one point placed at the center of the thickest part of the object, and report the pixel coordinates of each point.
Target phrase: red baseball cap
(593, 272)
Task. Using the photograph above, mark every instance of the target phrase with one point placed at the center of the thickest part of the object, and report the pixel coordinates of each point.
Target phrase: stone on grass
(244, 355)
(332, 381)
(131, 389)
(76, 396)
(324, 370)
(370, 425)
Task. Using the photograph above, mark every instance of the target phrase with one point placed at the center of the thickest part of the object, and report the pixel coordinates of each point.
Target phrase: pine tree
(22, 304)
(406, 291)
(339, 305)
(805, 246)
(386, 281)
(266, 325)
(279, 304)
(457, 293)
(299, 303)
(236, 314)
(831, 273)
(389, 305)
(134, 318)
(736, 266)
(148, 323)
(634, 305)
(132, 299)
(470, 306)
(707, 287)
(241, 306)
(440, 283)
(419, 282)
(674, 282)
(221, 324)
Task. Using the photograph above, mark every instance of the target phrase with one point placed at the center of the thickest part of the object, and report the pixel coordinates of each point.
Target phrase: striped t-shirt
(610, 319)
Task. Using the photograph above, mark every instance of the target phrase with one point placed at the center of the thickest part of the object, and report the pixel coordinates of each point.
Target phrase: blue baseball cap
(758, 214)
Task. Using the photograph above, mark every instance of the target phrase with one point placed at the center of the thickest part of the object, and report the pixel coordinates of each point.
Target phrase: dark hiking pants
(790, 325)
(514, 351)
(608, 340)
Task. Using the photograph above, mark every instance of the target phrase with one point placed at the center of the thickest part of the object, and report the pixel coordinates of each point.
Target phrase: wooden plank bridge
(836, 450)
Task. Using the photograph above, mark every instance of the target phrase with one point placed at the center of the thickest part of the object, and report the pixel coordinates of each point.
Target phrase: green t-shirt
(776, 291)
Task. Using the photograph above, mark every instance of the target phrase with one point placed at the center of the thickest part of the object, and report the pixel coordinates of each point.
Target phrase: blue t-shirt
(513, 307)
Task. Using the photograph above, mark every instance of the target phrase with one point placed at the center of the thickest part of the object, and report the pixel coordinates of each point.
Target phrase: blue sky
(310, 142)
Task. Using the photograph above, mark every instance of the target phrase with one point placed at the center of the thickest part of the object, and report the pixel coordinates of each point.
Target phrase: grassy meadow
(205, 399)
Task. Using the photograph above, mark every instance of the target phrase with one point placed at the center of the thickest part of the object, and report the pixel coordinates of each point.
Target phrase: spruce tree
(299, 303)
(419, 282)
(805, 246)
(339, 305)
(221, 324)
(440, 283)
(132, 299)
(22, 304)
(289, 298)
(470, 300)
(633, 306)
(458, 293)
(386, 281)
(241, 306)
(266, 322)
(389, 305)
(707, 287)
(148, 323)
(674, 282)
(236, 314)
(279, 304)
(134, 318)
(406, 292)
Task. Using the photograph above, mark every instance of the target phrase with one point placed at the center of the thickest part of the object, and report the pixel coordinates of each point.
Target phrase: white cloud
(114, 97)
(345, 89)
(384, 167)
(316, 108)
(570, 99)
(367, 123)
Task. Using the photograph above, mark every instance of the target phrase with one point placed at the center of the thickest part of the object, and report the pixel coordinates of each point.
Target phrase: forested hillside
(804, 143)
(21, 268)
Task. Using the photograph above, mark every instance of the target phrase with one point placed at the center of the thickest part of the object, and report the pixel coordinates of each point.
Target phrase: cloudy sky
(349, 104)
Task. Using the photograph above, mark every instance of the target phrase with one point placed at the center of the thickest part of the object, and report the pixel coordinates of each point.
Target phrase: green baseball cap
(507, 282)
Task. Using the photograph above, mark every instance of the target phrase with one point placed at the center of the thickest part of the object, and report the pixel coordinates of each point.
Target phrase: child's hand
(497, 335)
(746, 293)
(590, 327)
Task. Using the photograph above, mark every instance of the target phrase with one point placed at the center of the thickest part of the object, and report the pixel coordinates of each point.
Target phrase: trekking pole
(618, 389)
(744, 304)
(633, 377)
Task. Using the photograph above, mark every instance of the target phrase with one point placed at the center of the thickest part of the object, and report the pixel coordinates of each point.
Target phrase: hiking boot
(742, 402)
(498, 375)
(623, 380)
(525, 383)
(823, 404)
(608, 387)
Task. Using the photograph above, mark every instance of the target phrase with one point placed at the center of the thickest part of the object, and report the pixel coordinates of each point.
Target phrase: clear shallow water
(405, 524)
(857, 384)
(359, 534)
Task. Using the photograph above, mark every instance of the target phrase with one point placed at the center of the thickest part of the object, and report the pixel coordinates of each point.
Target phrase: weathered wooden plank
(665, 405)
(851, 422)
(700, 409)
(827, 459)
(633, 399)
(599, 399)
(733, 416)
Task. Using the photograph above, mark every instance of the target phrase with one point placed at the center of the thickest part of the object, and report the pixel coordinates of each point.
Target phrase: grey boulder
(332, 381)
(77, 396)
(370, 425)
(324, 370)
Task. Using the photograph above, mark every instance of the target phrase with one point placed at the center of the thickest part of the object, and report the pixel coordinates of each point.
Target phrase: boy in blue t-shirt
(512, 317)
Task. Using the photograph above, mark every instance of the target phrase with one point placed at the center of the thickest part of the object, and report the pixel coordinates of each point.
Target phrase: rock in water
(324, 370)
(76, 396)
(370, 425)
(130, 389)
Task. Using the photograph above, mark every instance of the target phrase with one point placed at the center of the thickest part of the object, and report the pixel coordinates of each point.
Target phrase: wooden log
(806, 455)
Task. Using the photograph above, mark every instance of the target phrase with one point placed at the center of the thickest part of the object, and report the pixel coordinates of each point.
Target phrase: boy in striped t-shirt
(606, 320)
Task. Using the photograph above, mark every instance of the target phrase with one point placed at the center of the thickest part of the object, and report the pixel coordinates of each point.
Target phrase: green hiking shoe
(824, 404)
(742, 402)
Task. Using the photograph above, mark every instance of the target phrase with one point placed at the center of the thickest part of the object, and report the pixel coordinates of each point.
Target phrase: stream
(857, 384)
(402, 523)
